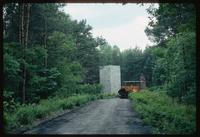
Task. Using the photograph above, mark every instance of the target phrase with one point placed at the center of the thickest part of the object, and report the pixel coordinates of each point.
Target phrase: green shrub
(26, 114)
(106, 95)
(90, 89)
(165, 115)
(157, 88)
(92, 97)
(10, 121)
(40, 111)
(67, 105)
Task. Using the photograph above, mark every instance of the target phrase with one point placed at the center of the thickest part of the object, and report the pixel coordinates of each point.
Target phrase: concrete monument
(110, 78)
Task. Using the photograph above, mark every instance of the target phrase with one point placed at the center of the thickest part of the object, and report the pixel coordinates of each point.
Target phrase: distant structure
(110, 78)
(143, 81)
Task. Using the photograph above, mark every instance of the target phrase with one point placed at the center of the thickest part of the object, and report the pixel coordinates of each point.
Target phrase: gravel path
(105, 116)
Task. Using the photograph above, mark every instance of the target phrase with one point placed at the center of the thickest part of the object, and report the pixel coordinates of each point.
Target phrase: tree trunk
(23, 39)
(45, 41)
(20, 24)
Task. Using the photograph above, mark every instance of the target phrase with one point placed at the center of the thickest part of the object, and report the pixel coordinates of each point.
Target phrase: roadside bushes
(165, 115)
(106, 96)
(157, 88)
(25, 115)
(90, 89)
(79, 89)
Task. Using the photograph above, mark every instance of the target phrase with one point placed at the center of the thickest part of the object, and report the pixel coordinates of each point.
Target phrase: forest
(47, 55)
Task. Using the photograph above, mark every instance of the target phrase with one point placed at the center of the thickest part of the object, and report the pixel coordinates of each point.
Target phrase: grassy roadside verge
(24, 117)
(163, 114)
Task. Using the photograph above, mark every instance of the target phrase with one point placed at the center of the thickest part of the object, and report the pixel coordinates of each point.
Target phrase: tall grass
(164, 114)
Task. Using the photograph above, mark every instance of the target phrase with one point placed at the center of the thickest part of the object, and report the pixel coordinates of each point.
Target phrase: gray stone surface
(110, 78)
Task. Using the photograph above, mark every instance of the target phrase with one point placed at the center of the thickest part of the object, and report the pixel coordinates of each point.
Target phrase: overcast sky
(121, 25)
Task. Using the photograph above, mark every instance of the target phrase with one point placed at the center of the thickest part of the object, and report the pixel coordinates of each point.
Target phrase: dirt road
(106, 116)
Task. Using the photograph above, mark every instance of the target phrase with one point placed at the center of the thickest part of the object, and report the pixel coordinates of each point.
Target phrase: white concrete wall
(105, 78)
(115, 78)
(110, 78)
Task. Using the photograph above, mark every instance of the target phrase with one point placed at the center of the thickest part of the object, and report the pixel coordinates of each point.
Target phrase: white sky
(121, 25)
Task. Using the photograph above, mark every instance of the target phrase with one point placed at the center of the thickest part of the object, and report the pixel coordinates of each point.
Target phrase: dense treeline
(46, 53)
(175, 53)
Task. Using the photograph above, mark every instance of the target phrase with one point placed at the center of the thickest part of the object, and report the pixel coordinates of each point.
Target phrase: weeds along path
(105, 116)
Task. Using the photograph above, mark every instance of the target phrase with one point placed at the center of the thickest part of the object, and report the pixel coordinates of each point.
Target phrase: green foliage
(11, 68)
(106, 95)
(60, 49)
(159, 70)
(157, 89)
(105, 52)
(163, 113)
(132, 64)
(149, 62)
(90, 89)
(178, 17)
(46, 77)
(9, 102)
(61, 53)
(182, 74)
(25, 114)
(174, 63)
(10, 122)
